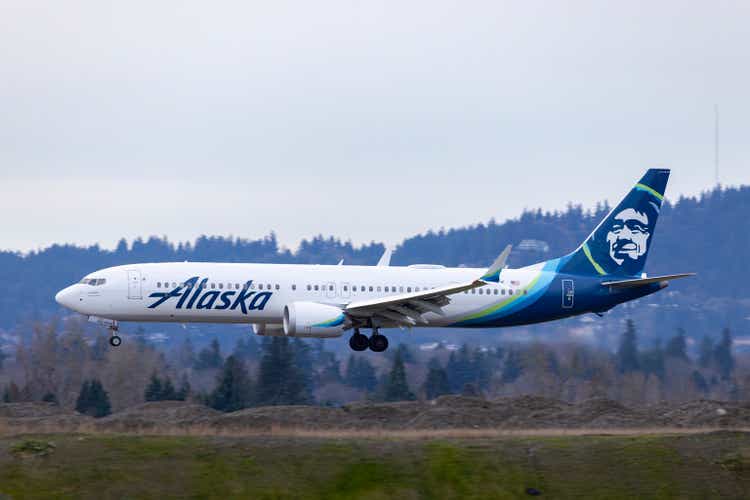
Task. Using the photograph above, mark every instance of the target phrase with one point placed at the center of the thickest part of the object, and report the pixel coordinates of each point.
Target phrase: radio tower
(716, 144)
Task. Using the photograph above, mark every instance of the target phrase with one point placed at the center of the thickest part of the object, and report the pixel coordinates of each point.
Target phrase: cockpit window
(93, 281)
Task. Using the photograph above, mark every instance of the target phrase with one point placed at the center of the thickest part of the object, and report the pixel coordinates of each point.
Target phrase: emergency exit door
(568, 294)
(134, 284)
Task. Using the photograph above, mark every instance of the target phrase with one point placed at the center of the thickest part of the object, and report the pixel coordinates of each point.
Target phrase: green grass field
(125, 466)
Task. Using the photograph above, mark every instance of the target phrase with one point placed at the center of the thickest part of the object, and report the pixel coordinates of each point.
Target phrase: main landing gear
(376, 342)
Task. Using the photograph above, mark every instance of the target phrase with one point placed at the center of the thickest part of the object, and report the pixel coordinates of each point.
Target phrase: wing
(407, 309)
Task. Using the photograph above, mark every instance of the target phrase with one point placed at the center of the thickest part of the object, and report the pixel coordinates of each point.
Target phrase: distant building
(533, 246)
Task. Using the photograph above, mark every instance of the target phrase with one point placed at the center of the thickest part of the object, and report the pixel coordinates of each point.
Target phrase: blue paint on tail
(620, 243)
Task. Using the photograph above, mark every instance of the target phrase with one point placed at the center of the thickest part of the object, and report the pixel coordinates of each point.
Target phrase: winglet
(493, 272)
(385, 259)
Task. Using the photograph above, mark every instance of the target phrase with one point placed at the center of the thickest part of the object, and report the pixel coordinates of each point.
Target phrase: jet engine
(312, 319)
(269, 329)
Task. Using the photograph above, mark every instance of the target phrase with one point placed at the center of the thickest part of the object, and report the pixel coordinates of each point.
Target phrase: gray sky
(364, 120)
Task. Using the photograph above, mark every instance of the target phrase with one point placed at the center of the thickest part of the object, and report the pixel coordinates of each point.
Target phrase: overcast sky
(363, 120)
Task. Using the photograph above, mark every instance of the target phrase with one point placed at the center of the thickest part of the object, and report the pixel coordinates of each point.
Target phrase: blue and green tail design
(620, 243)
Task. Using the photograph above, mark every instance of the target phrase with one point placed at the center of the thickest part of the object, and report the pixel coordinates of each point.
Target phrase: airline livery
(326, 301)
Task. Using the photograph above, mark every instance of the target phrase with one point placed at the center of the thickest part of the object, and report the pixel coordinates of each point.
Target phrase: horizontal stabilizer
(632, 283)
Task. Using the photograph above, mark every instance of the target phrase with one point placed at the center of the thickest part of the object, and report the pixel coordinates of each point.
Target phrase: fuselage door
(134, 284)
(568, 294)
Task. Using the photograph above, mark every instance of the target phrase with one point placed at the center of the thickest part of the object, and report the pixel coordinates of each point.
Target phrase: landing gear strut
(114, 339)
(358, 342)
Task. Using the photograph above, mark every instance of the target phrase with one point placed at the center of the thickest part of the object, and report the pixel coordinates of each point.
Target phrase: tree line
(68, 363)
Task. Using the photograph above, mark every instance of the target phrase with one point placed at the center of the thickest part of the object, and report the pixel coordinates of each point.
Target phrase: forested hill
(709, 234)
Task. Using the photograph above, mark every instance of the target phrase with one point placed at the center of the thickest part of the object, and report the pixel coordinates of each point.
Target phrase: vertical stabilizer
(620, 243)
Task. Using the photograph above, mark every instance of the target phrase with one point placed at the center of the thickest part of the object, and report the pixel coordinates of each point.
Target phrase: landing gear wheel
(378, 343)
(115, 341)
(359, 342)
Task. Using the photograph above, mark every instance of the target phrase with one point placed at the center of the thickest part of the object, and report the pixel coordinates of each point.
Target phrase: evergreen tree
(303, 361)
(93, 400)
(11, 393)
(677, 346)
(184, 393)
(706, 352)
(396, 387)
(233, 389)
(279, 380)
(209, 357)
(652, 361)
(723, 355)
(168, 392)
(513, 366)
(186, 353)
(153, 389)
(699, 381)
(247, 348)
(436, 382)
(50, 397)
(460, 369)
(627, 353)
(360, 373)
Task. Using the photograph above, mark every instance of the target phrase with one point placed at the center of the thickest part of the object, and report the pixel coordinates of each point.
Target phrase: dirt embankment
(443, 414)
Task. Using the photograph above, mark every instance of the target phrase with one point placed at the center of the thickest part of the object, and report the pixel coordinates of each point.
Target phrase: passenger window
(330, 288)
(386, 289)
(236, 286)
(400, 289)
(495, 291)
(277, 286)
(221, 286)
(510, 291)
(268, 287)
(525, 292)
(316, 288)
(294, 287)
(473, 290)
(260, 286)
(378, 289)
(408, 289)
(158, 284)
(309, 287)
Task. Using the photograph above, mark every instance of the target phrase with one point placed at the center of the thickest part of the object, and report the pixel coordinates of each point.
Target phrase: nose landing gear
(114, 339)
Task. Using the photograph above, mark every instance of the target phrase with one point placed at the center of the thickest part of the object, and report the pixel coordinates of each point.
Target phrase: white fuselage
(257, 293)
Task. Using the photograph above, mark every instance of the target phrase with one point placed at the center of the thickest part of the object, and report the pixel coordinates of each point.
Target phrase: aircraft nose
(65, 297)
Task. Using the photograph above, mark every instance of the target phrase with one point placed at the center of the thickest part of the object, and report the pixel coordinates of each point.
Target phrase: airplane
(326, 301)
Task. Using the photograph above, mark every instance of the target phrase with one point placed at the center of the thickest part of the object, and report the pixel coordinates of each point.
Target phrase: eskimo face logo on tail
(628, 236)
(193, 295)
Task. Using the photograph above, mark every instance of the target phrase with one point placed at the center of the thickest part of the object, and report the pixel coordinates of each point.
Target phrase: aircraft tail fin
(620, 243)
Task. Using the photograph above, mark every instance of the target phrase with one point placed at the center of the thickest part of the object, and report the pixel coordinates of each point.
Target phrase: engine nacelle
(269, 329)
(311, 319)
